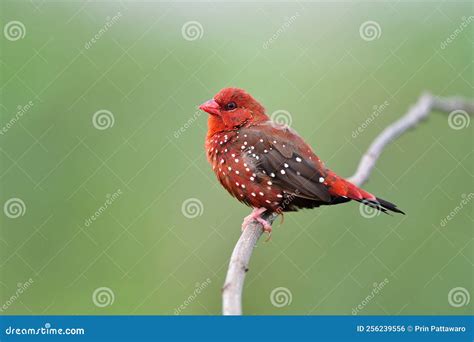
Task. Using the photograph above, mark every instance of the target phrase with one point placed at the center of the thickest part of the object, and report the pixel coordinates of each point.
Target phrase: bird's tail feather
(362, 196)
(342, 190)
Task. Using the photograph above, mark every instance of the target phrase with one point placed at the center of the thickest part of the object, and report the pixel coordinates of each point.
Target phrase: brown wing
(278, 153)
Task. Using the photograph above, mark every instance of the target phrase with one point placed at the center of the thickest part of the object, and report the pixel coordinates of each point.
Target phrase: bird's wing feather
(278, 152)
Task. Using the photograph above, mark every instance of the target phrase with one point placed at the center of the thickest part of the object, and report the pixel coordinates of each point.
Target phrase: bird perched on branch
(268, 166)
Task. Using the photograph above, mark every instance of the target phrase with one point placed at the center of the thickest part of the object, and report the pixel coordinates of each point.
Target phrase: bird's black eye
(230, 106)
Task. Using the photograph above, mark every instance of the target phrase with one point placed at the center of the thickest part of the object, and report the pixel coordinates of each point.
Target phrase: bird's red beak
(211, 107)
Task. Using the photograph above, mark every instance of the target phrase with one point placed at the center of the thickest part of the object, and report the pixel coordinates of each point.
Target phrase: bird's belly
(240, 180)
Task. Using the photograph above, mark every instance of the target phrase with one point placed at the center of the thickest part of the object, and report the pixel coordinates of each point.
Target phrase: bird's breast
(235, 164)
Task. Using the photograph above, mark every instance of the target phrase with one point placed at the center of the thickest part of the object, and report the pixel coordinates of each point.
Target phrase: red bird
(269, 166)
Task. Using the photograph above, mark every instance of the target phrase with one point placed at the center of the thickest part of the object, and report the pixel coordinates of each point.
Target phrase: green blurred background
(142, 248)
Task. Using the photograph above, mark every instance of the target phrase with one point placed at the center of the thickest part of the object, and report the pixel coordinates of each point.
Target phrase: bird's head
(232, 108)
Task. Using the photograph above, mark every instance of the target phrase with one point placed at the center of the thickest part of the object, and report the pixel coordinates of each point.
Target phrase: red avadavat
(269, 166)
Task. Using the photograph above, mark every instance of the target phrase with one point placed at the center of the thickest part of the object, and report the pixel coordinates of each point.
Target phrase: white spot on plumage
(233, 155)
(265, 151)
(245, 143)
(260, 193)
(286, 165)
(272, 174)
(261, 140)
(253, 194)
(298, 159)
(222, 161)
(236, 160)
(269, 183)
(279, 196)
(237, 172)
(282, 172)
(247, 169)
(252, 179)
(229, 168)
(268, 201)
(321, 179)
(237, 183)
(242, 147)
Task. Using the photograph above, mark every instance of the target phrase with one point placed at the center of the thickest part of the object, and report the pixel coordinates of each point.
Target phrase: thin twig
(239, 261)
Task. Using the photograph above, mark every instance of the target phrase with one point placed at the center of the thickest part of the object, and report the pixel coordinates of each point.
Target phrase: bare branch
(238, 267)
(239, 261)
(426, 103)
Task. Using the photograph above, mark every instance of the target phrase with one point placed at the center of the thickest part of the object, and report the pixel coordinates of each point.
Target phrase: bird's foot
(256, 216)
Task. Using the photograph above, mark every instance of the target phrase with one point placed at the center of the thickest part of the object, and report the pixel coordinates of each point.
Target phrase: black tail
(384, 206)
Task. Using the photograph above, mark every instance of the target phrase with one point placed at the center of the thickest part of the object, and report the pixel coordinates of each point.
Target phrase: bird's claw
(267, 229)
(256, 216)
